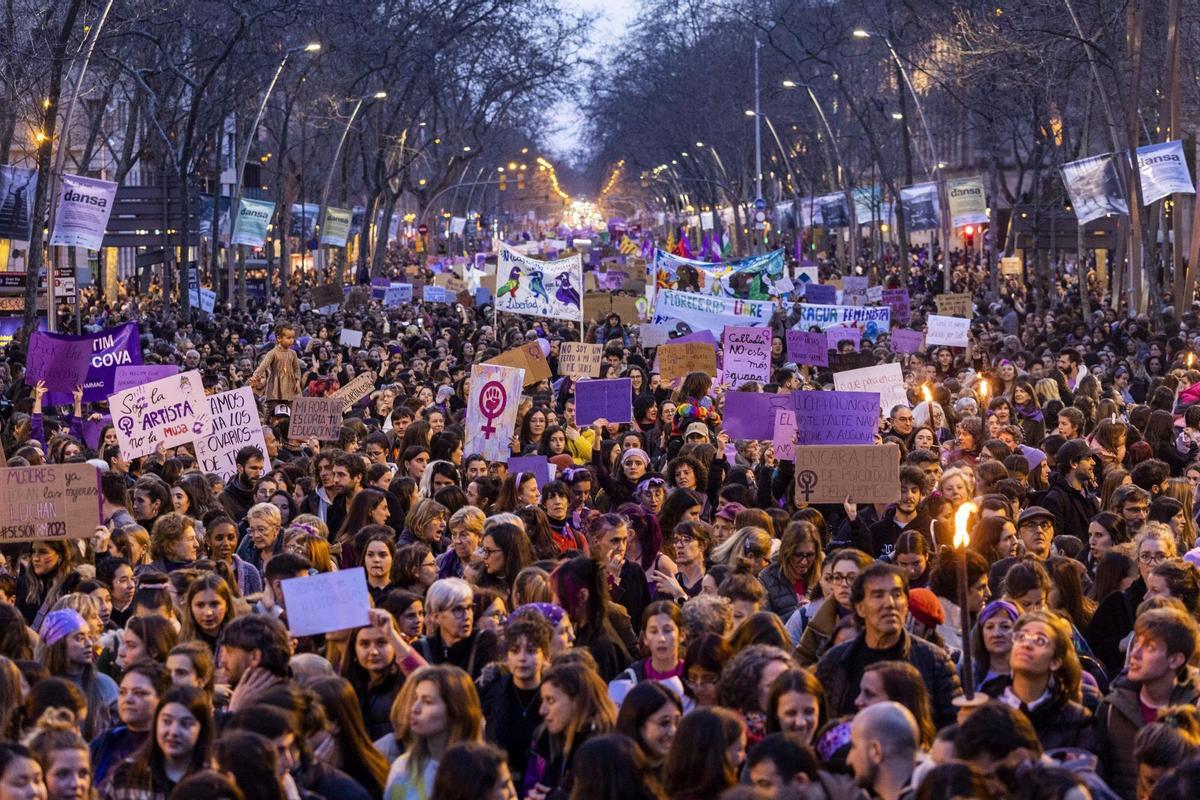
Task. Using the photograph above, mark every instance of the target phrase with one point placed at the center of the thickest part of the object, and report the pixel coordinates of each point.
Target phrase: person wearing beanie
(991, 643)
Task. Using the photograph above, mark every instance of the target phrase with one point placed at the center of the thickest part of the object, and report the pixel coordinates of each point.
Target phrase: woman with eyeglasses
(844, 566)
(503, 551)
(451, 636)
(795, 571)
(692, 543)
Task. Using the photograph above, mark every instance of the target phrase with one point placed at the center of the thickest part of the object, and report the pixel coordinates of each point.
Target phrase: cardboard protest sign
(751, 415)
(231, 424)
(897, 301)
(539, 465)
(53, 501)
(350, 337)
(580, 359)
(63, 362)
(677, 360)
(886, 379)
(842, 333)
(356, 390)
(329, 294)
(863, 473)
(396, 294)
(610, 399)
(111, 348)
(203, 299)
(527, 357)
(954, 304)
(492, 410)
(596, 306)
(948, 331)
(1011, 265)
(907, 341)
(836, 417)
(316, 418)
(783, 437)
(625, 307)
(326, 602)
(805, 347)
(357, 299)
(747, 355)
(379, 287)
(164, 413)
(436, 294)
(130, 376)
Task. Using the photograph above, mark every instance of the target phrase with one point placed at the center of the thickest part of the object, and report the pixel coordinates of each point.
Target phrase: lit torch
(983, 389)
(1191, 360)
(961, 540)
(928, 395)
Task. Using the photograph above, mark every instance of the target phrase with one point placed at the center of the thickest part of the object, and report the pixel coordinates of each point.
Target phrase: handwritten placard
(836, 417)
(610, 400)
(580, 359)
(654, 335)
(165, 413)
(356, 390)
(808, 347)
(677, 360)
(861, 473)
(948, 331)
(844, 333)
(232, 423)
(350, 338)
(316, 418)
(528, 357)
(327, 601)
(747, 355)
(63, 362)
(53, 501)
(751, 415)
(135, 375)
(783, 438)
(897, 301)
(1011, 265)
(397, 294)
(886, 379)
(907, 341)
(954, 304)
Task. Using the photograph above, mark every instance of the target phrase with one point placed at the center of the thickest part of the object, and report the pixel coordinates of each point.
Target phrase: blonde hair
(267, 511)
(1159, 531)
(464, 718)
(729, 551)
(967, 476)
(1046, 390)
(423, 513)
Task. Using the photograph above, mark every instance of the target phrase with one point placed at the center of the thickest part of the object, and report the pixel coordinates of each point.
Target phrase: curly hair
(741, 677)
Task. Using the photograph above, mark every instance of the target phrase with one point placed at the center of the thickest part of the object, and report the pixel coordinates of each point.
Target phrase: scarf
(1029, 412)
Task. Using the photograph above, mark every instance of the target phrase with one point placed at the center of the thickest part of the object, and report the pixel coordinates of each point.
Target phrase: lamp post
(933, 167)
(235, 199)
(337, 154)
(787, 163)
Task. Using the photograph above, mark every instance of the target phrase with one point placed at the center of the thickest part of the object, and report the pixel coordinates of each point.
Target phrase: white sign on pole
(84, 206)
(887, 379)
(948, 331)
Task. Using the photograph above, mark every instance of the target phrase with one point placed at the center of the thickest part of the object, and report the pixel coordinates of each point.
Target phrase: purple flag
(111, 348)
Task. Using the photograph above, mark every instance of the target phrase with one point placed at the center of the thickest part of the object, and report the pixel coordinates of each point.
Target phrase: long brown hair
(591, 708)
(188, 629)
(464, 719)
(342, 709)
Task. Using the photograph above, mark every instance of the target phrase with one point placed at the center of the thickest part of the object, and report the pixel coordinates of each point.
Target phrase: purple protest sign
(61, 361)
(843, 333)
(836, 417)
(821, 293)
(379, 287)
(747, 355)
(751, 415)
(538, 465)
(804, 347)
(92, 429)
(907, 341)
(127, 377)
(111, 348)
(610, 399)
(897, 301)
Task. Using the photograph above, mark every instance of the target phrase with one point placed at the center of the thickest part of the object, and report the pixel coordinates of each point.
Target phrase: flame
(928, 395)
(961, 538)
(983, 389)
(1191, 359)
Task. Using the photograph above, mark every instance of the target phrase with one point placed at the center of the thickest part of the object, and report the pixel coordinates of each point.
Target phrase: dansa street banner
(967, 200)
(539, 288)
(1096, 187)
(253, 219)
(1164, 171)
(84, 206)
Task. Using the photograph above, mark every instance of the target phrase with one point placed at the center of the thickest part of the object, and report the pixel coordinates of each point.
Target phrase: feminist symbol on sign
(492, 400)
(808, 483)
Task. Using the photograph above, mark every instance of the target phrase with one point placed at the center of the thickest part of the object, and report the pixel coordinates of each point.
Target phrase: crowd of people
(664, 618)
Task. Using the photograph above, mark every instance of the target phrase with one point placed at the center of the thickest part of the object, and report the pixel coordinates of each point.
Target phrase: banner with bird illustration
(539, 288)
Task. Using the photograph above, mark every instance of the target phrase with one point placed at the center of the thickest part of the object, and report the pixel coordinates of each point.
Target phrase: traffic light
(968, 234)
(503, 183)
(521, 180)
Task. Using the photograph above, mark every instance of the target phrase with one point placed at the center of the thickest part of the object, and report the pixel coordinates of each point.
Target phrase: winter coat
(1058, 721)
(1111, 623)
(781, 592)
(1072, 509)
(1118, 720)
(817, 633)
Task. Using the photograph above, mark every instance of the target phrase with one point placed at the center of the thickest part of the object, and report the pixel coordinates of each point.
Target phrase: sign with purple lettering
(844, 333)
(164, 413)
(61, 361)
(905, 340)
(747, 355)
(111, 348)
(610, 399)
(784, 439)
(820, 293)
(538, 465)
(897, 301)
(128, 377)
(492, 410)
(804, 347)
(751, 415)
(836, 417)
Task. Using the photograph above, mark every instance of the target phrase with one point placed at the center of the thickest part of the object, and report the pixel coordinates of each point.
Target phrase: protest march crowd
(337, 555)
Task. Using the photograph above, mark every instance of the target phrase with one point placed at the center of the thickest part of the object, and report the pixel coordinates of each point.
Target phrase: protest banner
(353, 392)
(836, 417)
(379, 287)
(967, 201)
(580, 359)
(954, 304)
(1096, 186)
(921, 206)
(540, 466)
(1164, 171)
(350, 337)
(327, 295)
(1011, 265)
(855, 284)
(396, 294)
(316, 418)
(874, 294)
(436, 294)
(17, 188)
(84, 206)
(163, 413)
(337, 227)
(859, 473)
(53, 501)
(804, 347)
(129, 376)
(527, 357)
(539, 288)
(62, 361)
(677, 360)
(610, 399)
(821, 293)
(746, 355)
(111, 348)
(751, 415)
(886, 379)
(750, 278)
(326, 602)
(873, 320)
(842, 333)
(492, 410)
(686, 312)
(783, 436)
(948, 331)
(897, 301)
(203, 299)
(253, 220)
(231, 424)
(907, 341)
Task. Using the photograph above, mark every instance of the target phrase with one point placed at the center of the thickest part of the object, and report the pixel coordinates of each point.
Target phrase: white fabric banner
(492, 410)
(539, 288)
(1164, 171)
(84, 206)
(687, 312)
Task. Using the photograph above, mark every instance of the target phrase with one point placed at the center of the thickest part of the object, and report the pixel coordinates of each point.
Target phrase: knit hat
(635, 452)
(925, 608)
(998, 607)
(551, 612)
(60, 624)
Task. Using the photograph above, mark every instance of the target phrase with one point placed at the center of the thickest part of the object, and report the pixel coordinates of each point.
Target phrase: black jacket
(470, 655)
(1059, 722)
(1118, 720)
(1072, 509)
(1111, 623)
(237, 498)
(509, 724)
